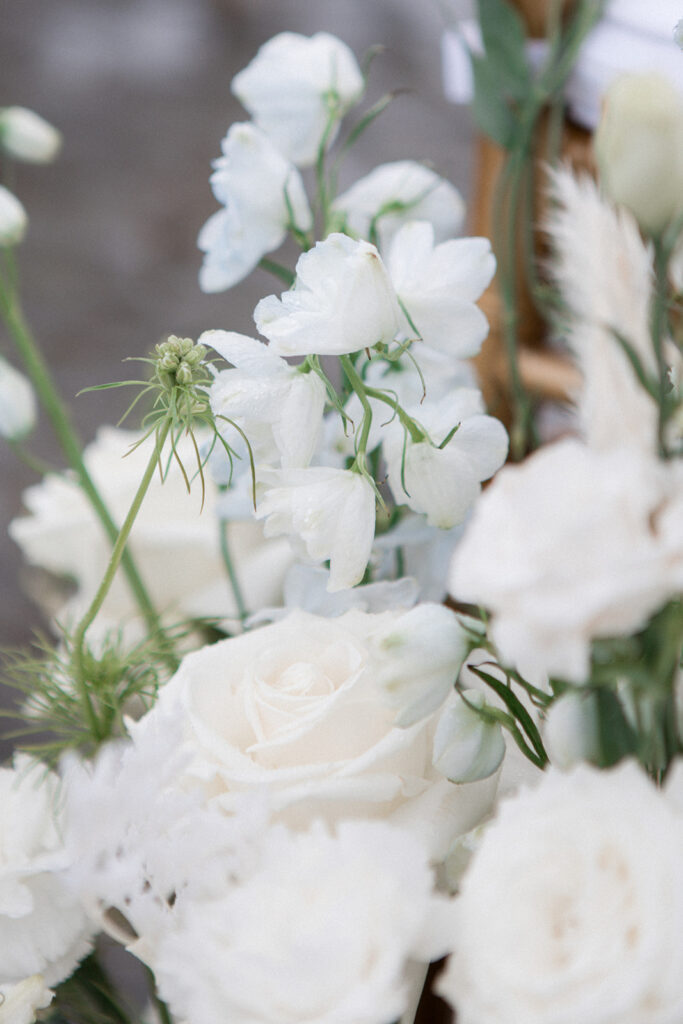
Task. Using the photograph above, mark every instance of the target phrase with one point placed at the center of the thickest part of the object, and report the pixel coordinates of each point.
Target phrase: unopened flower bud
(184, 374)
(17, 403)
(13, 218)
(639, 149)
(571, 729)
(26, 136)
(466, 747)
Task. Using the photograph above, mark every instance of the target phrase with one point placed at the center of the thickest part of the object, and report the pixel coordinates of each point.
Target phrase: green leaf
(491, 113)
(616, 736)
(504, 38)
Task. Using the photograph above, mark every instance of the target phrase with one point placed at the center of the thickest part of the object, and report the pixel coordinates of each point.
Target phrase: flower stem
(232, 573)
(114, 561)
(39, 373)
(659, 330)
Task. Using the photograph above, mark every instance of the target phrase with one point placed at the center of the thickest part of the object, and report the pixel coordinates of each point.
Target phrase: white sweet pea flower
(443, 483)
(263, 390)
(467, 748)
(439, 285)
(572, 906)
(398, 192)
(25, 135)
(13, 219)
(570, 545)
(43, 928)
(292, 87)
(17, 403)
(19, 1003)
(332, 511)
(323, 930)
(419, 655)
(258, 188)
(342, 301)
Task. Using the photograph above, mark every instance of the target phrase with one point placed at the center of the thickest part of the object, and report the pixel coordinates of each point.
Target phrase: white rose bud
(639, 148)
(17, 403)
(571, 729)
(26, 136)
(467, 748)
(418, 660)
(13, 218)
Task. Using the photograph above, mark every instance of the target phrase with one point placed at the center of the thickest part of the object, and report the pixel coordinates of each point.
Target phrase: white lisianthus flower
(570, 731)
(292, 87)
(27, 136)
(17, 403)
(419, 655)
(398, 192)
(43, 928)
(571, 545)
(13, 219)
(443, 483)
(264, 389)
(174, 540)
(19, 1003)
(467, 748)
(294, 708)
(258, 189)
(639, 148)
(332, 511)
(572, 907)
(342, 301)
(439, 285)
(323, 930)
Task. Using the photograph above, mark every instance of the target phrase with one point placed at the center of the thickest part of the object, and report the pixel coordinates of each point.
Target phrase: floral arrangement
(317, 710)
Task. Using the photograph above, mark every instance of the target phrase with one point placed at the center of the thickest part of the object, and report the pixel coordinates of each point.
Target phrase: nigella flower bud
(17, 403)
(13, 219)
(26, 136)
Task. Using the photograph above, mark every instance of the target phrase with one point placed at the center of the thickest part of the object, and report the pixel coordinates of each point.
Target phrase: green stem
(103, 589)
(66, 435)
(356, 382)
(284, 274)
(232, 573)
(659, 331)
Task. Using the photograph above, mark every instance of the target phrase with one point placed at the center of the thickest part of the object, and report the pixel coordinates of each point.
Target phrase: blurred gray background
(141, 91)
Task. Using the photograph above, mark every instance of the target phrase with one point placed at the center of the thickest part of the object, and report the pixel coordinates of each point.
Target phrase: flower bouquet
(319, 710)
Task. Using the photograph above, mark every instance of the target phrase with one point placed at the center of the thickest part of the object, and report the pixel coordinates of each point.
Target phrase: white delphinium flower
(439, 285)
(639, 148)
(418, 657)
(604, 271)
(323, 930)
(62, 535)
(13, 219)
(263, 390)
(260, 191)
(17, 403)
(444, 482)
(572, 907)
(394, 193)
(332, 511)
(295, 86)
(27, 136)
(43, 928)
(467, 748)
(572, 544)
(295, 708)
(570, 731)
(20, 1002)
(342, 301)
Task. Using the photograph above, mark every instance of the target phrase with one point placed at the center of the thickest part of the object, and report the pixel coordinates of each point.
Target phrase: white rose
(572, 907)
(382, 201)
(19, 1003)
(342, 301)
(571, 545)
(295, 707)
(13, 218)
(43, 929)
(289, 86)
(258, 188)
(176, 546)
(323, 930)
(17, 403)
(639, 148)
(25, 135)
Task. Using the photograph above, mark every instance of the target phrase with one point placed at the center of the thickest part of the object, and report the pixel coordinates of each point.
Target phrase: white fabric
(634, 36)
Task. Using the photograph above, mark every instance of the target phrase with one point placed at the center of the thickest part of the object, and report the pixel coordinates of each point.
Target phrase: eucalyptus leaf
(491, 113)
(504, 39)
